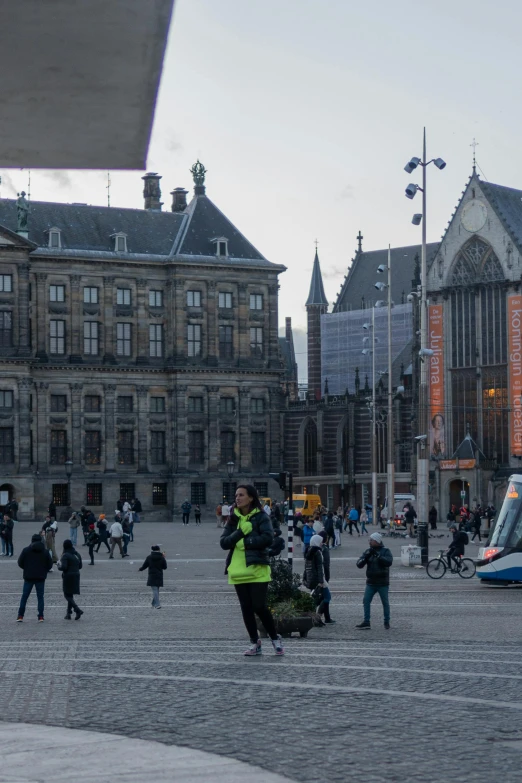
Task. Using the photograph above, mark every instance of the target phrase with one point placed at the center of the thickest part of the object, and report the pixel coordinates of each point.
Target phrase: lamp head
(380, 286)
(366, 351)
(417, 219)
(380, 303)
(367, 326)
(411, 190)
(381, 269)
(440, 164)
(412, 165)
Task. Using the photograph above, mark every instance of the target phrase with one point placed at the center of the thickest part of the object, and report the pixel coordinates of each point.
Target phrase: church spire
(317, 295)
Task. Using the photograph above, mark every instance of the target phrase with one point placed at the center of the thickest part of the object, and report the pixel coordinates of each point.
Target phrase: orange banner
(515, 370)
(451, 464)
(436, 343)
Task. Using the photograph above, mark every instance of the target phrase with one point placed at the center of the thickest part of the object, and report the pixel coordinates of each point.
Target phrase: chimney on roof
(179, 199)
(152, 191)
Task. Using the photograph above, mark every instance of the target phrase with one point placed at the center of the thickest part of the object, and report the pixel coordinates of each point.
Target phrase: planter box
(300, 625)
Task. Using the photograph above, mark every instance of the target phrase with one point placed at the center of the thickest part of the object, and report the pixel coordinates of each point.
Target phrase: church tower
(316, 306)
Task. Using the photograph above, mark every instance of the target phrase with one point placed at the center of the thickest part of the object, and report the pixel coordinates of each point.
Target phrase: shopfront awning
(79, 81)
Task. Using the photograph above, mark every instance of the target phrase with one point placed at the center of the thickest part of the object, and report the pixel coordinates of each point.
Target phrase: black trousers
(103, 540)
(91, 553)
(71, 603)
(252, 599)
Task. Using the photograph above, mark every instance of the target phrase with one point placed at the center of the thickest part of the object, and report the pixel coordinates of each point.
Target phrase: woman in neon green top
(248, 536)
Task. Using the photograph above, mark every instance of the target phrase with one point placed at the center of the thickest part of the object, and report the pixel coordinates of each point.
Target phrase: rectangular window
(125, 404)
(124, 339)
(6, 445)
(6, 399)
(121, 244)
(226, 346)
(225, 299)
(126, 447)
(195, 404)
(92, 447)
(229, 491)
(155, 298)
(94, 495)
(6, 284)
(228, 446)
(127, 492)
(6, 330)
(256, 301)
(157, 404)
(61, 494)
(257, 405)
(90, 295)
(155, 340)
(57, 293)
(123, 296)
(90, 338)
(194, 340)
(196, 447)
(58, 447)
(157, 448)
(58, 403)
(198, 492)
(193, 298)
(258, 448)
(54, 239)
(262, 488)
(159, 495)
(92, 403)
(57, 337)
(256, 341)
(227, 405)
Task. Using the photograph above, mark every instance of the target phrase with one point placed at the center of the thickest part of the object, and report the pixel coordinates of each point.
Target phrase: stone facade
(141, 345)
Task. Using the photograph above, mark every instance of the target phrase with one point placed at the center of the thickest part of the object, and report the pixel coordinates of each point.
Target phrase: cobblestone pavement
(437, 697)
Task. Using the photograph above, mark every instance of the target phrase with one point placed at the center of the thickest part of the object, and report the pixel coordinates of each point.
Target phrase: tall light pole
(68, 473)
(374, 425)
(230, 472)
(390, 467)
(423, 442)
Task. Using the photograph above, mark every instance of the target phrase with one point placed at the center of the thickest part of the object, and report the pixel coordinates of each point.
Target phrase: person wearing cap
(70, 565)
(377, 559)
(457, 547)
(36, 562)
(156, 563)
(92, 539)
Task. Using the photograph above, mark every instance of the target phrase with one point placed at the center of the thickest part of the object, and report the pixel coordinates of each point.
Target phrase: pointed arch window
(464, 272)
(492, 270)
(310, 449)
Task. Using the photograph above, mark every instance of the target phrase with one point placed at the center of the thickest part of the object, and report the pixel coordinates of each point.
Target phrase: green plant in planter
(285, 599)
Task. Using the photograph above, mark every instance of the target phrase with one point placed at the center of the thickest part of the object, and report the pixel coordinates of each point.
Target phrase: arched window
(491, 270)
(310, 449)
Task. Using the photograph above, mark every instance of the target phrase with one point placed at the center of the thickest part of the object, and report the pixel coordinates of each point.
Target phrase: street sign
(462, 493)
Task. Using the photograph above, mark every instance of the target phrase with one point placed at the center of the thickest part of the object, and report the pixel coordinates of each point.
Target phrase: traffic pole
(290, 521)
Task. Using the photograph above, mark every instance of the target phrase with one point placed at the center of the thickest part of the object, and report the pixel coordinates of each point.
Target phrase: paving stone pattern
(438, 697)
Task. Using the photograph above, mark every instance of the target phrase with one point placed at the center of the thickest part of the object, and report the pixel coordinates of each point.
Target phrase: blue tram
(500, 562)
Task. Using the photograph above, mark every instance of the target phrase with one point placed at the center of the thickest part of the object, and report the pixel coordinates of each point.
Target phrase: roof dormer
(54, 239)
(120, 242)
(220, 246)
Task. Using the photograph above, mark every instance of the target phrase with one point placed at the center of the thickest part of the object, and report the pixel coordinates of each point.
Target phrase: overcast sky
(304, 112)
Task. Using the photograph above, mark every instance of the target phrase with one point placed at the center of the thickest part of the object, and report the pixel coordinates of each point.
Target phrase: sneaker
(387, 626)
(365, 625)
(19, 619)
(67, 617)
(330, 622)
(40, 619)
(157, 607)
(278, 646)
(254, 649)
(111, 557)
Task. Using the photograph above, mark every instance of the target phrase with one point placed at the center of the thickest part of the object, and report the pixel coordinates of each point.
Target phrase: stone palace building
(140, 345)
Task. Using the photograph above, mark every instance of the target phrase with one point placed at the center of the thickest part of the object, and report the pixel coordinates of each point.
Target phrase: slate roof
(317, 295)
(467, 449)
(362, 276)
(507, 203)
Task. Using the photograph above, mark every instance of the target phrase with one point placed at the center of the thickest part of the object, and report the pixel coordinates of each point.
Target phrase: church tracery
(476, 262)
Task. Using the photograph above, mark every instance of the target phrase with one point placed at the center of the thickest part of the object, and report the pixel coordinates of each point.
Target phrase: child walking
(156, 564)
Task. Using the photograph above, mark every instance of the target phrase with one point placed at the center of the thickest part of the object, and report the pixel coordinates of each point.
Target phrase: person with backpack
(156, 564)
(456, 549)
(70, 565)
(92, 539)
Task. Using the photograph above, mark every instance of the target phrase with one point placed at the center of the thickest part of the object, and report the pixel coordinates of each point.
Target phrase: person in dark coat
(329, 526)
(432, 518)
(52, 510)
(458, 544)
(36, 562)
(476, 523)
(102, 533)
(324, 605)
(197, 513)
(156, 563)
(378, 560)
(92, 539)
(70, 566)
(8, 535)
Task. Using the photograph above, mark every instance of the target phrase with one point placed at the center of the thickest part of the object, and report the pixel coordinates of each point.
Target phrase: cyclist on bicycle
(457, 546)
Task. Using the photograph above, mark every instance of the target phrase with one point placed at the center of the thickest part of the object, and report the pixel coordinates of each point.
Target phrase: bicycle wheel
(467, 569)
(436, 568)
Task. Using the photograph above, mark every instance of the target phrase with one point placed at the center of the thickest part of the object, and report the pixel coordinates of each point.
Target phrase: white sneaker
(278, 646)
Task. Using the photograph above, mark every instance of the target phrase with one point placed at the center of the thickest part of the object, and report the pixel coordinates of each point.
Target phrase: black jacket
(257, 543)
(70, 565)
(136, 506)
(460, 539)
(36, 561)
(326, 562)
(329, 525)
(92, 538)
(277, 547)
(377, 561)
(314, 571)
(410, 515)
(156, 564)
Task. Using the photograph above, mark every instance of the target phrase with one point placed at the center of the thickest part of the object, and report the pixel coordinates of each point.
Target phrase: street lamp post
(390, 468)
(374, 425)
(423, 444)
(68, 473)
(230, 471)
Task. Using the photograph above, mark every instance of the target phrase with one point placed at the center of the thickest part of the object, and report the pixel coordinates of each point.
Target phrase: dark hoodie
(314, 571)
(156, 564)
(35, 560)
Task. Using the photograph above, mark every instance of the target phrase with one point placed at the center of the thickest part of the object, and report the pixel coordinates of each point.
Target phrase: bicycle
(463, 566)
